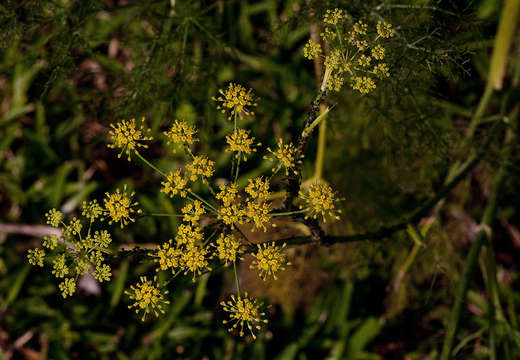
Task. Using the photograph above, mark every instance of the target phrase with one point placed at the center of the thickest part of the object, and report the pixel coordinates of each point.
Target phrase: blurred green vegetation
(70, 68)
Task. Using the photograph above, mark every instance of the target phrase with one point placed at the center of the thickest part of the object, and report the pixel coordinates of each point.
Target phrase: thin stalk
(236, 277)
(238, 166)
(498, 63)
(323, 115)
(150, 164)
(288, 213)
(162, 214)
(483, 236)
(243, 235)
(203, 201)
(210, 237)
(320, 152)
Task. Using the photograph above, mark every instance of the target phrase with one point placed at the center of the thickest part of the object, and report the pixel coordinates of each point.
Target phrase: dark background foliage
(70, 68)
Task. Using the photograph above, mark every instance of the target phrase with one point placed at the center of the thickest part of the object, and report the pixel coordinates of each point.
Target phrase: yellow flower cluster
(269, 260)
(255, 209)
(74, 252)
(384, 30)
(127, 136)
(312, 50)
(147, 298)
(191, 249)
(332, 17)
(241, 143)
(285, 156)
(175, 184)
(188, 254)
(258, 188)
(200, 166)
(237, 100)
(67, 287)
(168, 256)
(243, 312)
(227, 249)
(36, 256)
(320, 201)
(54, 217)
(181, 133)
(120, 208)
(192, 212)
(91, 210)
(353, 49)
(364, 84)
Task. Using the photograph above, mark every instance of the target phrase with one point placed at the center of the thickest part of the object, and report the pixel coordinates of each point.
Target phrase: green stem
(238, 166)
(211, 207)
(320, 152)
(498, 63)
(322, 116)
(483, 237)
(236, 277)
(288, 213)
(161, 214)
(150, 164)
(243, 235)
(210, 237)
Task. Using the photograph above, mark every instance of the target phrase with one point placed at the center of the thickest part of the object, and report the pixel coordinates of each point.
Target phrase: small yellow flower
(378, 52)
(360, 28)
(60, 268)
(269, 260)
(102, 239)
(147, 298)
(384, 30)
(96, 257)
(335, 82)
(237, 100)
(73, 228)
(285, 156)
(333, 61)
(54, 217)
(381, 71)
(231, 214)
(258, 213)
(319, 201)
(194, 260)
(91, 210)
(125, 136)
(258, 188)
(200, 166)
(81, 267)
(67, 287)
(193, 212)
(181, 133)
(188, 234)
(311, 50)
(244, 311)
(120, 208)
(364, 60)
(332, 17)
(36, 256)
(175, 184)
(363, 84)
(362, 45)
(102, 273)
(228, 193)
(168, 256)
(50, 241)
(227, 248)
(328, 35)
(241, 143)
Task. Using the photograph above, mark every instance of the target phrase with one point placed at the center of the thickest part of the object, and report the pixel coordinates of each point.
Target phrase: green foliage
(70, 68)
